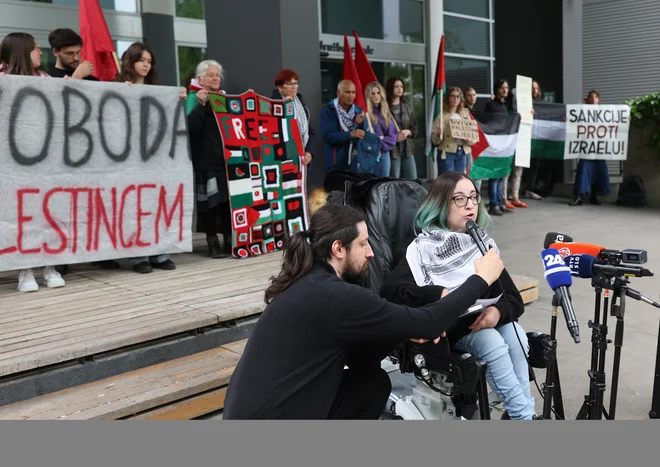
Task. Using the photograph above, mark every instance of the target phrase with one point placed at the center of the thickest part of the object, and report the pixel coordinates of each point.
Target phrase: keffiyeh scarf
(346, 119)
(445, 258)
(303, 123)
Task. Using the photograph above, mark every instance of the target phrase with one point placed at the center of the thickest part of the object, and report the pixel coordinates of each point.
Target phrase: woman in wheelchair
(438, 261)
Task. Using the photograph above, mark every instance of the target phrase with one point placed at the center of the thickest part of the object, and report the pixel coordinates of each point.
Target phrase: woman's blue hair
(432, 214)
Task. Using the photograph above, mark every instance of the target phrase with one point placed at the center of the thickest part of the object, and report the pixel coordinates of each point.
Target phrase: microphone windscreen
(581, 265)
(557, 274)
(568, 249)
(555, 237)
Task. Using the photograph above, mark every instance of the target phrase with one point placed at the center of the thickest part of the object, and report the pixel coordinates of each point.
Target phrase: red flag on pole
(362, 64)
(350, 72)
(97, 42)
(479, 147)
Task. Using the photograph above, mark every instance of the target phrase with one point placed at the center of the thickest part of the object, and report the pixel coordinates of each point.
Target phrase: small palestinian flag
(548, 131)
(501, 131)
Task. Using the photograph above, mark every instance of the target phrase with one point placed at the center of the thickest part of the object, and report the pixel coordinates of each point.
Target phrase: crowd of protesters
(388, 119)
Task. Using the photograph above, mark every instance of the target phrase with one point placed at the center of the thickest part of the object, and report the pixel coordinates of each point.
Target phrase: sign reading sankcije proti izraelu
(597, 132)
(91, 171)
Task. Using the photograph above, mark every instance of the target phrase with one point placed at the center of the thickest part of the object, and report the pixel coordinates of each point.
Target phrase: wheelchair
(428, 383)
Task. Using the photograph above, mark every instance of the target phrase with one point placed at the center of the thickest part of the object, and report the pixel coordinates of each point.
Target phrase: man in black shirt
(67, 47)
(319, 321)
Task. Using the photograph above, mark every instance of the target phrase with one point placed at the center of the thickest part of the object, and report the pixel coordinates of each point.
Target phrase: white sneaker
(26, 281)
(53, 278)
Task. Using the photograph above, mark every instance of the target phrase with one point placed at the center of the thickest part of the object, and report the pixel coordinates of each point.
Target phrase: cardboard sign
(265, 173)
(597, 132)
(91, 171)
(465, 129)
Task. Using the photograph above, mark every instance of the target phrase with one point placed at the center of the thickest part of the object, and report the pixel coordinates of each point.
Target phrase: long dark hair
(15, 52)
(333, 222)
(389, 89)
(128, 60)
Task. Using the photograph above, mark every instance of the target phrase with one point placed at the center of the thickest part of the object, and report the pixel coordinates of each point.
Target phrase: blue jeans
(454, 162)
(507, 370)
(495, 186)
(409, 167)
(384, 165)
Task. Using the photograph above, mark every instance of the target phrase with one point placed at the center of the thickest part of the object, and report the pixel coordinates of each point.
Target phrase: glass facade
(469, 49)
(190, 9)
(130, 6)
(189, 58)
(389, 20)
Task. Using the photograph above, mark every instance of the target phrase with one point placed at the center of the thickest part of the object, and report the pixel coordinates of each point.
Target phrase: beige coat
(448, 144)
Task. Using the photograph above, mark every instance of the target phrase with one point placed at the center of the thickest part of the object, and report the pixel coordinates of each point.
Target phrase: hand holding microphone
(558, 276)
(489, 267)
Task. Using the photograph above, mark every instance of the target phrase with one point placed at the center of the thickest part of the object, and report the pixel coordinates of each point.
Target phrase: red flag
(362, 64)
(479, 147)
(97, 42)
(350, 72)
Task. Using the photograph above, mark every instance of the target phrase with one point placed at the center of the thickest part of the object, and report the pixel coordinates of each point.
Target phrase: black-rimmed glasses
(461, 200)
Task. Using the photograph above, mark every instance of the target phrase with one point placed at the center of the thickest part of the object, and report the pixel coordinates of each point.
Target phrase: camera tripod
(552, 387)
(593, 407)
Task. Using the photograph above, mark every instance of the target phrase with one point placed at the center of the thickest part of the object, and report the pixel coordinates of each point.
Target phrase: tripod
(552, 387)
(593, 407)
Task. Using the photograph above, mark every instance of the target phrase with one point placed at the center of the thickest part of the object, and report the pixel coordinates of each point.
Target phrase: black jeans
(362, 395)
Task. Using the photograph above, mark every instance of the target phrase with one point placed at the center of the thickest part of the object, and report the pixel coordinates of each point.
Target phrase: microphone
(555, 237)
(558, 276)
(587, 266)
(569, 249)
(473, 230)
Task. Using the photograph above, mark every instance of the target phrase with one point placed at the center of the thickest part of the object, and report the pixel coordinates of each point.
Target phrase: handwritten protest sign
(464, 129)
(91, 171)
(597, 132)
(265, 174)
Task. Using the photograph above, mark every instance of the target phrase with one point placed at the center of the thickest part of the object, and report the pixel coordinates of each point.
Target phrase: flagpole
(116, 57)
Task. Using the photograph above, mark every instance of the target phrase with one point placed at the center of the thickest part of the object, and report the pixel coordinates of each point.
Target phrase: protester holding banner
(439, 261)
(67, 48)
(20, 55)
(211, 189)
(455, 150)
(338, 127)
(499, 104)
(287, 83)
(403, 153)
(382, 123)
(138, 66)
(592, 176)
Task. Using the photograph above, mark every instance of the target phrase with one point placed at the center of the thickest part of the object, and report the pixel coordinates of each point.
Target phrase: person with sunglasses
(439, 261)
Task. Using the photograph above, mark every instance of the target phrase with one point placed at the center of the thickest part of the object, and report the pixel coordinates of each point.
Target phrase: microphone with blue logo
(558, 276)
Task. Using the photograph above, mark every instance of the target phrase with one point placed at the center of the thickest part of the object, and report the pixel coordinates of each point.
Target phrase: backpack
(632, 192)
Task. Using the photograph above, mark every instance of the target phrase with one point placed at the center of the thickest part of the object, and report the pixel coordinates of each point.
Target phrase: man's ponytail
(297, 261)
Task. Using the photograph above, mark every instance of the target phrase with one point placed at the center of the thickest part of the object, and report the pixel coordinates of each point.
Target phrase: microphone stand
(552, 386)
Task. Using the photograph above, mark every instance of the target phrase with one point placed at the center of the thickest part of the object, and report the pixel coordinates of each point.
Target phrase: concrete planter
(645, 162)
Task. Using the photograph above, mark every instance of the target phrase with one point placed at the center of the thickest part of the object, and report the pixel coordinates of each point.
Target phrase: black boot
(214, 248)
(226, 244)
(594, 199)
(577, 201)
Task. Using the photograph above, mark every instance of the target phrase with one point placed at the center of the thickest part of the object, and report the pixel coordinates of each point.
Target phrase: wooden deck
(102, 310)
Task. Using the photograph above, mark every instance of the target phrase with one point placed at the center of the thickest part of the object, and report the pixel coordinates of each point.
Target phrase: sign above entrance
(338, 47)
(332, 46)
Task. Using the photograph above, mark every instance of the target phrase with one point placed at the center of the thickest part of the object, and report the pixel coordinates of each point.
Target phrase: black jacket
(497, 106)
(294, 360)
(205, 140)
(309, 147)
(400, 287)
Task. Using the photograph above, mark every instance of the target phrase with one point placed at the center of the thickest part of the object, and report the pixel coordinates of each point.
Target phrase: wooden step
(184, 388)
(528, 288)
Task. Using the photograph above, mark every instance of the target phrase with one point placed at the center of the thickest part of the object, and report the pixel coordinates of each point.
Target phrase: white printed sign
(597, 132)
(91, 171)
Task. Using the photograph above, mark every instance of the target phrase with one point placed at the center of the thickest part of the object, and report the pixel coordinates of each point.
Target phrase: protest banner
(265, 174)
(523, 94)
(91, 171)
(597, 132)
(461, 128)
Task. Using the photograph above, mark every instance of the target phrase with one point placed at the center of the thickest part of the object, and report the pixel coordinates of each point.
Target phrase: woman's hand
(403, 134)
(487, 319)
(183, 93)
(307, 158)
(202, 95)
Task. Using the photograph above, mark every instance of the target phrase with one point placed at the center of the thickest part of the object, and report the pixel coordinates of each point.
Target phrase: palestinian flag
(501, 132)
(548, 131)
(191, 100)
(440, 86)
